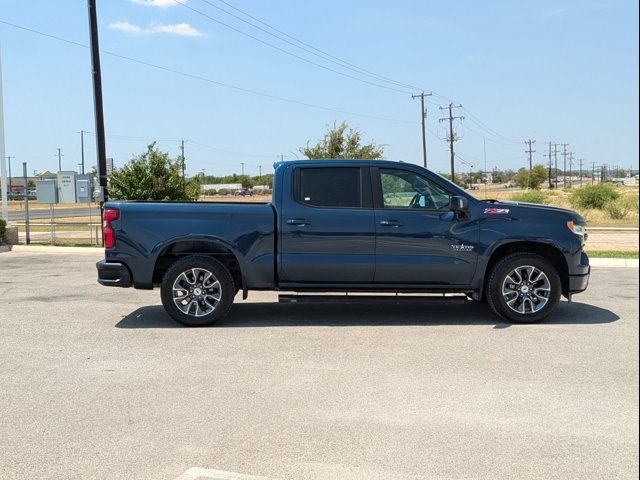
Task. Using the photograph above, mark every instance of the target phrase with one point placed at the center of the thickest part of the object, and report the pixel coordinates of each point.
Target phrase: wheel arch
(549, 251)
(216, 248)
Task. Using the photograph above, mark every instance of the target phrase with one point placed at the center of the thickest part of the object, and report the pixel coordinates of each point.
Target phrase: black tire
(498, 278)
(197, 316)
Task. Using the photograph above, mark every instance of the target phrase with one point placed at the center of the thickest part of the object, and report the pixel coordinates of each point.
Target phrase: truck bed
(147, 230)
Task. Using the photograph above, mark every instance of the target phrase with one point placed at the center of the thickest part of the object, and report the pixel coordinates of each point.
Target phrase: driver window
(404, 189)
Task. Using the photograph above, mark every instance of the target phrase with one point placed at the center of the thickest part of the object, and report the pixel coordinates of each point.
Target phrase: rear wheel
(524, 288)
(197, 290)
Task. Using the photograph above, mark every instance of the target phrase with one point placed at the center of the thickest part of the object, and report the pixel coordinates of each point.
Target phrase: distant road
(59, 213)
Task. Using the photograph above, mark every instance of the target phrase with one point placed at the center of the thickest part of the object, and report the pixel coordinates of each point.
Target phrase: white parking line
(197, 473)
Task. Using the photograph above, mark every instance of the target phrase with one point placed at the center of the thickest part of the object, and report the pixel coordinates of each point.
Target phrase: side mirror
(459, 204)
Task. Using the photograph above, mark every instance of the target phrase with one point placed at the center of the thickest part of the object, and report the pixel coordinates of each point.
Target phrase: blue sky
(565, 71)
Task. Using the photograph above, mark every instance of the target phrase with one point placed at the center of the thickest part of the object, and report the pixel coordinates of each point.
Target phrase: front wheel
(197, 290)
(524, 288)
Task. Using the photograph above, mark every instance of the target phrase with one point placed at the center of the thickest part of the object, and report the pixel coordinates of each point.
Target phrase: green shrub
(616, 209)
(594, 196)
(3, 226)
(531, 196)
(630, 202)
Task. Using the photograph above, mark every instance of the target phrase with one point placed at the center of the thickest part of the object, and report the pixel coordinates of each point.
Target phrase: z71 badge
(496, 211)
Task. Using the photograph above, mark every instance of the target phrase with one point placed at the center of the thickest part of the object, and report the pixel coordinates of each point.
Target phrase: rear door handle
(298, 222)
(391, 223)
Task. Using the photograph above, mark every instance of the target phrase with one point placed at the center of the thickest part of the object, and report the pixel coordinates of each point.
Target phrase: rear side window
(330, 187)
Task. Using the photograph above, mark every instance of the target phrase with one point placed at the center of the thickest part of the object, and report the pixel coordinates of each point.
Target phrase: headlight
(577, 229)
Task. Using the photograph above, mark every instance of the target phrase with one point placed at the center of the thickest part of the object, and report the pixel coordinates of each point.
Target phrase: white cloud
(157, 3)
(125, 27)
(182, 29)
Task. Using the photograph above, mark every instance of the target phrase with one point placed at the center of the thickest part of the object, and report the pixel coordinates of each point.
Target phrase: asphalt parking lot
(100, 383)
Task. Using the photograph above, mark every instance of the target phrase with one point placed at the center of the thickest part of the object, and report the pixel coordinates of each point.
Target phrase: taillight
(108, 234)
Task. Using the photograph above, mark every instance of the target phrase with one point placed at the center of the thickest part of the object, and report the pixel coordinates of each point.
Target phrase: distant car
(473, 187)
(242, 192)
(508, 185)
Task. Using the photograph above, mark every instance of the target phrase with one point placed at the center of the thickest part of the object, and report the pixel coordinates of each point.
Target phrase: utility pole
(27, 235)
(571, 154)
(97, 102)
(82, 151)
(260, 170)
(182, 157)
(9, 160)
(3, 173)
(423, 118)
(60, 155)
(550, 184)
(452, 137)
(242, 164)
(555, 158)
(580, 176)
(564, 169)
(530, 151)
(593, 172)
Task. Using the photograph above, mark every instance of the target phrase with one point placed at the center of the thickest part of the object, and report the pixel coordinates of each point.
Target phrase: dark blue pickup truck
(347, 226)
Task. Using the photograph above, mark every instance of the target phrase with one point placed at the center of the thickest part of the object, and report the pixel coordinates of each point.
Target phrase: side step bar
(369, 299)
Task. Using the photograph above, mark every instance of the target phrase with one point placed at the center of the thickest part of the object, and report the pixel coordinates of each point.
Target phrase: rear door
(327, 231)
(419, 240)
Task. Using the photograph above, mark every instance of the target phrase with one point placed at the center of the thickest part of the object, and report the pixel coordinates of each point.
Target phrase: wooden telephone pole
(530, 151)
(452, 136)
(423, 118)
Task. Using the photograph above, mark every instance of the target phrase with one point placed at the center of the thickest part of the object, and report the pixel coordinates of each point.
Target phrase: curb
(614, 262)
(54, 249)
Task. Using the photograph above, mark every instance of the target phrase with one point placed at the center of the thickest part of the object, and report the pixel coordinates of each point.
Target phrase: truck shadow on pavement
(272, 314)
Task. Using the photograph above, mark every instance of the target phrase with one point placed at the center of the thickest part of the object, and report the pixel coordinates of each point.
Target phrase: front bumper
(113, 274)
(579, 278)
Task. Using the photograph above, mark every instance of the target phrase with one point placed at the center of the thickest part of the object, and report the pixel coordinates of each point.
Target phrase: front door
(327, 231)
(419, 240)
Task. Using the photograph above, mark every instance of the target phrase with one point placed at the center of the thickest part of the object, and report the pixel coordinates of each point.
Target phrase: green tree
(341, 141)
(535, 180)
(153, 176)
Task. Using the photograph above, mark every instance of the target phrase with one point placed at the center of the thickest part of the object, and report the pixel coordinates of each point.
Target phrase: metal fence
(60, 233)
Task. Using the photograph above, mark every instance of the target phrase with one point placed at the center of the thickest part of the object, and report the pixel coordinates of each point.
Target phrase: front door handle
(298, 222)
(391, 223)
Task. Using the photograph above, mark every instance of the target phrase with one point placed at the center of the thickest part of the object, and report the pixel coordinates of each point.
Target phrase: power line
(498, 138)
(264, 42)
(498, 142)
(484, 126)
(297, 43)
(211, 81)
(228, 152)
(334, 59)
